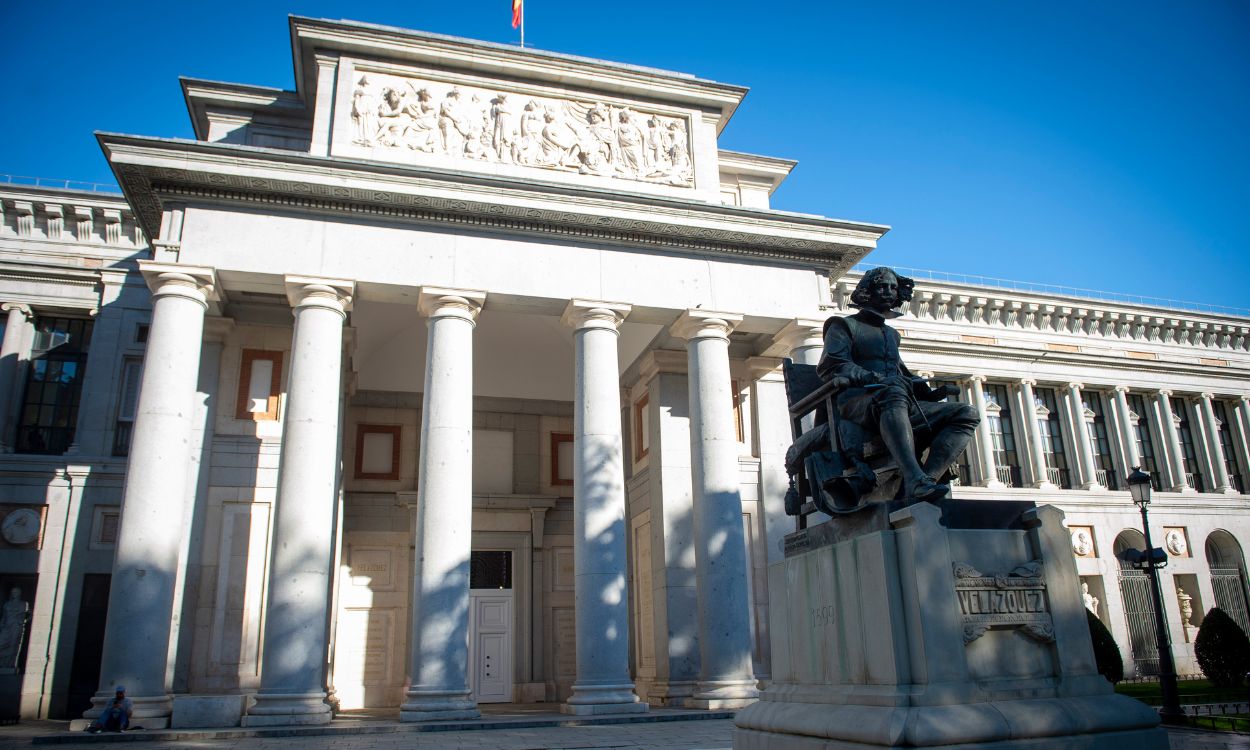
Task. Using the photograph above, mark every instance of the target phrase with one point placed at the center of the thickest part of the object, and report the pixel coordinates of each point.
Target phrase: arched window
(1228, 575)
(1139, 612)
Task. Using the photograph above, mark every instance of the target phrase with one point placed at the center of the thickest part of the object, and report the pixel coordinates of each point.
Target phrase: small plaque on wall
(1176, 541)
(21, 526)
(1083, 541)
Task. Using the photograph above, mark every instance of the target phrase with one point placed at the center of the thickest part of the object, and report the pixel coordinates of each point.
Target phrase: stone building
(453, 376)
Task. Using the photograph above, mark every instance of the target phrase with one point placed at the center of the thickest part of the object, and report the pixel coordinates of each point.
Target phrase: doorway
(491, 626)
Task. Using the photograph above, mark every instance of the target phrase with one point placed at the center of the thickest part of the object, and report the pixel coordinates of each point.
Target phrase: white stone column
(1241, 435)
(439, 659)
(726, 677)
(1081, 437)
(600, 566)
(145, 564)
(1037, 455)
(16, 348)
(984, 441)
(293, 677)
(1128, 435)
(1219, 470)
(802, 340)
(1167, 427)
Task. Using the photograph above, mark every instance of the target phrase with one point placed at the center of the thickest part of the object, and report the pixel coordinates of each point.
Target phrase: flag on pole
(517, 12)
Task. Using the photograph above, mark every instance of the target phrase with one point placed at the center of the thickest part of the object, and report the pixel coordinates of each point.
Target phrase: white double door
(490, 645)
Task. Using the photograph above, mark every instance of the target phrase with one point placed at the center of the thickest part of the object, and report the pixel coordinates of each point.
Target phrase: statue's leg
(896, 433)
(954, 425)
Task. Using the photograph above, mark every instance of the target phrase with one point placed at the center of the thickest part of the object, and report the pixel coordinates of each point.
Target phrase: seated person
(116, 716)
(884, 398)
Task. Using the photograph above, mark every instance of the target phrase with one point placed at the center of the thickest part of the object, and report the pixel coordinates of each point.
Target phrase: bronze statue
(882, 398)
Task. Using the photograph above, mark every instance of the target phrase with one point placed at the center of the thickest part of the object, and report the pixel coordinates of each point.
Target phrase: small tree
(1106, 652)
(1222, 649)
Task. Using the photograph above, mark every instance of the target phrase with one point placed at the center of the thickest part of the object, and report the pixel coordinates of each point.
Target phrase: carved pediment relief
(418, 120)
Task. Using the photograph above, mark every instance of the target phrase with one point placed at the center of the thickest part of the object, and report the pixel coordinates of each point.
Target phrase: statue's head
(882, 289)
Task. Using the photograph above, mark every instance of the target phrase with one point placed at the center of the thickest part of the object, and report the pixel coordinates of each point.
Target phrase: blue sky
(1097, 145)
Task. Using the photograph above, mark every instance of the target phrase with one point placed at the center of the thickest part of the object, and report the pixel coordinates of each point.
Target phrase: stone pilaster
(1167, 428)
(16, 349)
(603, 684)
(1081, 437)
(985, 442)
(145, 565)
(1219, 470)
(726, 677)
(293, 678)
(1037, 455)
(439, 667)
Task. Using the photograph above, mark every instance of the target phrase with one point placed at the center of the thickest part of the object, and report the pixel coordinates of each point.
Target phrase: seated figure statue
(883, 398)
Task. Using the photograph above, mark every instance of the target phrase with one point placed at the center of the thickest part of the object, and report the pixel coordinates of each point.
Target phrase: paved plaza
(714, 734)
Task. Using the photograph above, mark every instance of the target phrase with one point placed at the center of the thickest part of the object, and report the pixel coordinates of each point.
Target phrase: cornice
(151, 169)
(1076, 318)
(312, 35)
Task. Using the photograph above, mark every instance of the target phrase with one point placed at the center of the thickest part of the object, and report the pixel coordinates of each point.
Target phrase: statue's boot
(896, 433)
(943, 451)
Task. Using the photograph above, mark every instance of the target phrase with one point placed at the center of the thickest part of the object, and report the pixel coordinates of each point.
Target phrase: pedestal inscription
(1015, 600)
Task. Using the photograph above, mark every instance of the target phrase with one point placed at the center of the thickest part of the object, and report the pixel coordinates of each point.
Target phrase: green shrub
(1222, 649)
(1106, 652)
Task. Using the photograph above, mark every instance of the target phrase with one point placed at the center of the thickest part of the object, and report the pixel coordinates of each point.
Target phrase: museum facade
(453, 376)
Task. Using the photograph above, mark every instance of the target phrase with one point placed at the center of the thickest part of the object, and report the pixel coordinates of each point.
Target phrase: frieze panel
(421, 121)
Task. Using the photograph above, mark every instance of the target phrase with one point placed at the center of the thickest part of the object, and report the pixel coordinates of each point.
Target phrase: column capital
(217, 328)
(198, 283)
(581, 314)
(440, 302)
(926, 374)
(318, 291)
(797, 334)
(20, 307)
(1122, 389)
(1076, 385)
(1207, 395)
(976, 378)
(704, 324)
(1165, 392)
(1029, 381)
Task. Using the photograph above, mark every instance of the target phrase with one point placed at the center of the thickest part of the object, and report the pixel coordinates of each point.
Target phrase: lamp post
(1152, 560)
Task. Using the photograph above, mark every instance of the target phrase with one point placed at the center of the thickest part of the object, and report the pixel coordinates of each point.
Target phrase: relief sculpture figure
(592, 138)
(883, 399)
(12, 629)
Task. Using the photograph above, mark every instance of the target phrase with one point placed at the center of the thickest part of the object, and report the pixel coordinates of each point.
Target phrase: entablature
(153, 170)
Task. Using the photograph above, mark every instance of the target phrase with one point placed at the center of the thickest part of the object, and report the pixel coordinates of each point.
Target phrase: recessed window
(53, 385)
(642, 427)
(127, 402)
(260, 382)
(377, 451)
(561, 459)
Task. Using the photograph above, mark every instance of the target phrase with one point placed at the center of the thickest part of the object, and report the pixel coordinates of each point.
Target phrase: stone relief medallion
(1013, 600)
(20, 527)
(418, 121)
(1083, 541)
(1174, 540)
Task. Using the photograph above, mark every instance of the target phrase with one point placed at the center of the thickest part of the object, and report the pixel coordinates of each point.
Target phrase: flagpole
(522, 24)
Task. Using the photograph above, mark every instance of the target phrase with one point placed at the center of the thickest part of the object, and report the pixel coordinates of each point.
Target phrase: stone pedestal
(916, 634)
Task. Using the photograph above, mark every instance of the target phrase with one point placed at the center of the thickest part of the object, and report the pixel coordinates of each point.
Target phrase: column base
(288, 709)
(594, 709)
(149, 710)
(437, 705)
(993, 484)
(151, 722)
(670, 693)
(1045, 486)
(603, 699)
(724, 694)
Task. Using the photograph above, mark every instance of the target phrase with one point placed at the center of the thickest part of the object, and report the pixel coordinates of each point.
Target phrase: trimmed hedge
(1222, 649)
(1106, 652)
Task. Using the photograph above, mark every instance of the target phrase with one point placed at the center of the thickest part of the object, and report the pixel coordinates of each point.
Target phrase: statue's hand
(865, 377)
(926, 392)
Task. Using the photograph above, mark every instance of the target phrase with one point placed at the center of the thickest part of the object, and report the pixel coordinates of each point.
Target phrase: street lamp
(1152, 560)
